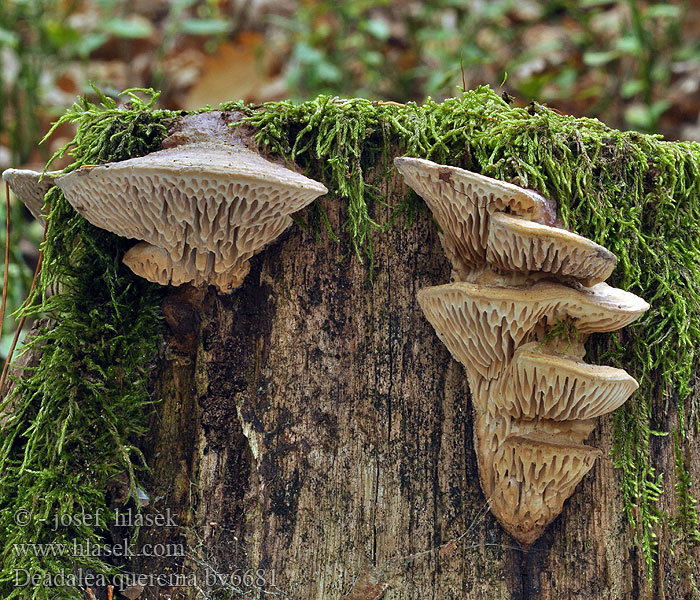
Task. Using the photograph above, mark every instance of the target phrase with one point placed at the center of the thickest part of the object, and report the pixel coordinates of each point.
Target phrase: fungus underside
(79, 413)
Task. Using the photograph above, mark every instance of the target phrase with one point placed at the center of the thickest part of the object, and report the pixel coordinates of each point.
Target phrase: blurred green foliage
(32, 35)
(19, 274)
(38, 38)
(615, 58)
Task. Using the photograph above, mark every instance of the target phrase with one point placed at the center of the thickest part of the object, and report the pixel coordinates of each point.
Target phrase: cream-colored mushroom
(540, 385)
(462, 203)
(209, 206)
(532, 479)
(522, 391)
(516, 244)
(30, 188)
(535, 400)
(482, 326)
(156, 265)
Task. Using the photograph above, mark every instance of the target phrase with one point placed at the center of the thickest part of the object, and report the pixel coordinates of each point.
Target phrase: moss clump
(78, 413)
(75, 417)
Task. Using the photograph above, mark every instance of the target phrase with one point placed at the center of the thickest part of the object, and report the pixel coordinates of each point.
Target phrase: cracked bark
(313, 430)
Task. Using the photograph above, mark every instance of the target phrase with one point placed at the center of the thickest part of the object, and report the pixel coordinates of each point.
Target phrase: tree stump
(314, 439)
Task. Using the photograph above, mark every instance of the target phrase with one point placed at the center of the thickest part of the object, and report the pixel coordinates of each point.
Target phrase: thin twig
(454, 541)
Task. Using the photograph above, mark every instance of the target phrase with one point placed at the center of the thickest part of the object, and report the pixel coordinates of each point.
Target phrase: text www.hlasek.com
(87, 548)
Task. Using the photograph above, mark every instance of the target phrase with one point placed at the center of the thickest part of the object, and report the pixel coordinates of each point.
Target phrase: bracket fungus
(30, 188)
(463, 202)
(516, 244)
(516, 276)
(542, 385)
(201, 209)
(532, 479)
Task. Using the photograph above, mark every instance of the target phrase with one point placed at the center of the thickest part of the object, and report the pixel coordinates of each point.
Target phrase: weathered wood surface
(313, 427)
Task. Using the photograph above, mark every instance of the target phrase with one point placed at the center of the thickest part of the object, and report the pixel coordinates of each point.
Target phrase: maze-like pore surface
(482, 326)
(516, 244)
(545, 386)
(209, 207)
(462, 203)
(533, 405)
(532, 479)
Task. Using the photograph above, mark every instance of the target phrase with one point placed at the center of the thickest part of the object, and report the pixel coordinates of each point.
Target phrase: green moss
(561, 330)
(686, 521)
(78, 415)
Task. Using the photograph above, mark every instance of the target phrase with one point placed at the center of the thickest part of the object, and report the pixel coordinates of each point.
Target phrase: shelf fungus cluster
(517, 277)
(200, 208)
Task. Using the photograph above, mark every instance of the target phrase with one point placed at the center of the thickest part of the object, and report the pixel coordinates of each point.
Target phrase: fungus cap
(516, 244)
(540, 385)
(462, 203)
(152, 263)
(532, 479)
(482, 326)
(30, 188)
(209, 206)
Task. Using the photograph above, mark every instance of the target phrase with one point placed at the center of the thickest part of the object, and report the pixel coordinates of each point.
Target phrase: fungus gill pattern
(30, 187)
(202, 210)
(516, 244)
(516, 276)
